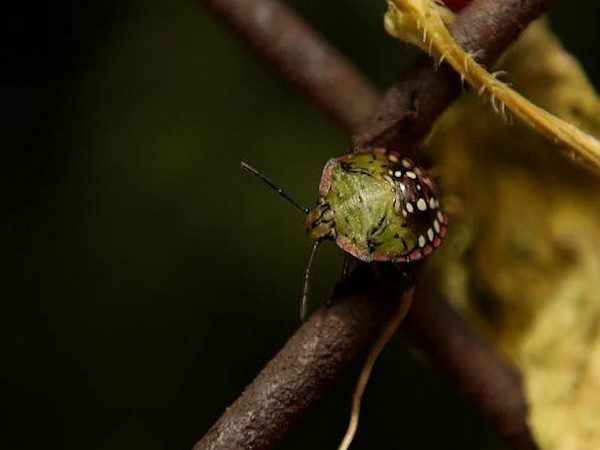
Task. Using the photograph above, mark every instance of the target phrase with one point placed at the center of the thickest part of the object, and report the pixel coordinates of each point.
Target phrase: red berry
(456, 5)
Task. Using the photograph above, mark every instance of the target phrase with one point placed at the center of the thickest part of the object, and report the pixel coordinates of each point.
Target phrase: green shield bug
(376, 206)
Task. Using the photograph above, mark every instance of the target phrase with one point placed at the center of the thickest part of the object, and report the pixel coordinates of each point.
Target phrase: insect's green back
(377, 207)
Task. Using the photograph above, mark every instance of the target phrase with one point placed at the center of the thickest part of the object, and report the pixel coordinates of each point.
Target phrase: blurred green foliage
(146, 278)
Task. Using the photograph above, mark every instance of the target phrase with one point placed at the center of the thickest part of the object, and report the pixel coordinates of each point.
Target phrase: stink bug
(376, 206)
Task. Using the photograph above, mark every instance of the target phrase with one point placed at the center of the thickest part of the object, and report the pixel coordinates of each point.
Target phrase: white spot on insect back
(430, 234)
(398, 174)
(410, 208)
(436, 226)
(440, 216)
(421, 241)
(432, 203)
(393, 158)
(406, 163)
(411, 174)
(421, 205)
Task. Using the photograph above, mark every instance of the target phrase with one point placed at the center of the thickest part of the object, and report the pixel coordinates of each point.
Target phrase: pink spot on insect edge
(381, 257)
(378, 151)
(443, 227)
(415, 255)
(350, 247)
(325, 184)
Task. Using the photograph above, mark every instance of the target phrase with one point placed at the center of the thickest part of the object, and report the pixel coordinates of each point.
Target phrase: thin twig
(409, 108)
(483, 375)
(301, 56)
(314, 356)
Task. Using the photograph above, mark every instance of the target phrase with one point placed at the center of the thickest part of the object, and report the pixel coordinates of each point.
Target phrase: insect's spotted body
(377, 206)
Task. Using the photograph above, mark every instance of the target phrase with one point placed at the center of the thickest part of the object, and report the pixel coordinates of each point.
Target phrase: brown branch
(408, 109)
(314, 356)
(482, 375)
(301, 56)
(319, 350)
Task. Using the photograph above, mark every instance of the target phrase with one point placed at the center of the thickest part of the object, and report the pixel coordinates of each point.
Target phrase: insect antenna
(273, 186)
(305, 282)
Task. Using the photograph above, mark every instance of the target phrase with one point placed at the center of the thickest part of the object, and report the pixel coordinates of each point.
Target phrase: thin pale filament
(389, 331)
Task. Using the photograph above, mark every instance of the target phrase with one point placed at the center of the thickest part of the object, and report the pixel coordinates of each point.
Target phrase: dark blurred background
(146, 278)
